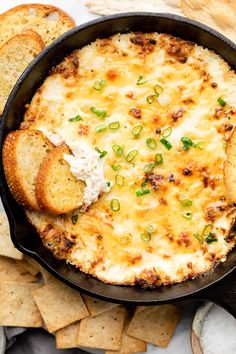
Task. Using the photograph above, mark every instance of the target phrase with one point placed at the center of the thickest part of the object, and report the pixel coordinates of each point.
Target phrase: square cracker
(59, 305)
(155, 325)
(6, 246)
(67, 337)
(47, 277)
(97, 307)
(25, 267)
(17, 306)
(129, 344)
(9, 272)
(103, 331)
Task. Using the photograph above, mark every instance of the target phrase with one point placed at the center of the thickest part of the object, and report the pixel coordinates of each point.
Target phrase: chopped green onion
(74, 219)
(200, 145)
(158, 89)
(76, 118)
(146, 237)
(210, 238)
(199, 237)
(187, 143)
(228, 117)
(207, 229)
(151, 143)
(131, 155)
(187, 215)
(117, 150)
(114, 125)
(99, 113)
(144, 183)
(150, 99)
(142, 192)
(98, 85)
(120, 180)
(140, 80)
(101, 128)
(101, 153)
(149, 167)
(167, 132)
(124, 239)
(221, 101)
(166, 143)
(150, 229)
(108, 184)
(116, 167)
(137, 130)
(186, 202)
(115, 205)
(158, 159)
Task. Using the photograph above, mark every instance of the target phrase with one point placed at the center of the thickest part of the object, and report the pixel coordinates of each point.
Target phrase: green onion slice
(76, 118)
(144, 183)
(166, 143)
(114, 125)
(101, 153)
(116, 167)
(149, 167)
(199, 237)
(131, 155)
(120, 180)
(158, 89)
(117, 150)
(207, 229)
(137, 130)
(115, 205)
(150, 99)
(187, 143)
(124, 239)
(142, 192)
(141, 80)
(74, 219)
(186, 202)
(210, 238)
(158, 159)
(151, 143)
(98, 85)
(99, 113)
(167, 132)
(221, 101)
(187, 215)
(101, 128)
(150, 229)
(146, 237)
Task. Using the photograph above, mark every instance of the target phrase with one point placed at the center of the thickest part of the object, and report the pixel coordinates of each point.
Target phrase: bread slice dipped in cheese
(23, 152)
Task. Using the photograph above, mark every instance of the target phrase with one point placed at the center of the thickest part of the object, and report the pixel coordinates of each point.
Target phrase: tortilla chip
(97, 307)
(17, 306)
(129, 344)
(155, 325)
(67, 337)
(103, 331)
(59, 305)
(9, 272)
(217, 14)
(7, 248)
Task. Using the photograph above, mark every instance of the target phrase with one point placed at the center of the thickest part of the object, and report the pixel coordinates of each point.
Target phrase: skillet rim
(12, 222)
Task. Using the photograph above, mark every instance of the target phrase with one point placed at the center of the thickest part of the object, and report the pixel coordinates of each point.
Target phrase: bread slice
(49, 21)
(230, 168)
(15, 56)
(23, 152)
(57, 190)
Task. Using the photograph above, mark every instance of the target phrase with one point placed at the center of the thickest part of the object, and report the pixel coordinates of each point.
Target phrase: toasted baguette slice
(49, 21)
(23, 152)
(15, 56)
(57, 190)
(230, 168)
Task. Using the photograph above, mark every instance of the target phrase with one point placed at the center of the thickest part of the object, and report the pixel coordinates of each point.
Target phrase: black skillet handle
(223, 293)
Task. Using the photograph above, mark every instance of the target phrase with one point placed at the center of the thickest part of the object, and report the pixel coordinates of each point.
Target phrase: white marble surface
(180, 342)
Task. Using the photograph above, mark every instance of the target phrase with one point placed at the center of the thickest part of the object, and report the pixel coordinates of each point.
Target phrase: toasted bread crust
(44, 11)
(54, 181)
(12, 163)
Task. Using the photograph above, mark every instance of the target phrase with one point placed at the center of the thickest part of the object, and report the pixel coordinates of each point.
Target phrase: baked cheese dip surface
(147, 118)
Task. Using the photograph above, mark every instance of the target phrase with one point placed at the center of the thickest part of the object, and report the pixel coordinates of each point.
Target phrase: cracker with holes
(11, 273)
(67, 337)
(6, 246)
(97, 307)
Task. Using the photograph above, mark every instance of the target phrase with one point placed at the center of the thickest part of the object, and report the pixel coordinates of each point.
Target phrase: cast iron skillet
(24, 235)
